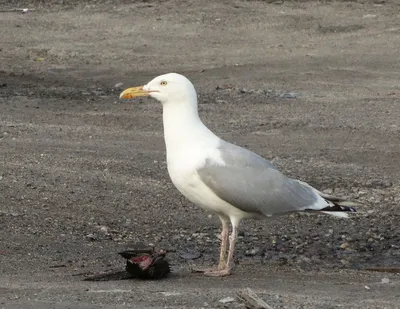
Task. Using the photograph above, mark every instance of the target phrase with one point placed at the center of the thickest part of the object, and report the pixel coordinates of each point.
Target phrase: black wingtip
(337, 207)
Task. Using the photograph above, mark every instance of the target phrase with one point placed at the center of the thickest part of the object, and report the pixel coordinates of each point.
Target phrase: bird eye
(163, 83)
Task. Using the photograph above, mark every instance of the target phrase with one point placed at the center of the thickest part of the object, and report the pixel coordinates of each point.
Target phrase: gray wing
(254, 185)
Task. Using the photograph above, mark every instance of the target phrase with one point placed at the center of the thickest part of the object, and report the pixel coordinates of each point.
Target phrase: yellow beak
(134, 92)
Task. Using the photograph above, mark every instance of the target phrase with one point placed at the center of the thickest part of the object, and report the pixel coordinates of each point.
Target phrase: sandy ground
(313, 87)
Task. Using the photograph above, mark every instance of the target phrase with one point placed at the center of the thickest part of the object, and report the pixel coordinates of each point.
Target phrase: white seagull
(227, 180)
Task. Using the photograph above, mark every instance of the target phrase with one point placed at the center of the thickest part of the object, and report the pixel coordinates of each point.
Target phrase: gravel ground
(311, 86)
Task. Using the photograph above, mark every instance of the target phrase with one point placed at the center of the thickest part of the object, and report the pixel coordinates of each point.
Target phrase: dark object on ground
(146, 263)
(108, 276)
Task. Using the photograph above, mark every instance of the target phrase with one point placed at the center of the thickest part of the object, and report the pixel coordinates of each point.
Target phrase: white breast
(183, 173)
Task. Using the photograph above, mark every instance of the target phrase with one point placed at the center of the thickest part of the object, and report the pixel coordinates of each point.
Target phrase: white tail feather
(339, 214)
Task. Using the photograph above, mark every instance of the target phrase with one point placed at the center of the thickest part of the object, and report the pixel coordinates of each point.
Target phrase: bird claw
(218, 273)
(221, 267)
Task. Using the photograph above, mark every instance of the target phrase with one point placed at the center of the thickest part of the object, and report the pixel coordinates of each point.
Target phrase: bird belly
(191, 186)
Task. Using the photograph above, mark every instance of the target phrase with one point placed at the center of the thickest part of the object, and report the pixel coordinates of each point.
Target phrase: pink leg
(229, 265)
(224, 243)
(232, 243)
(224, 247)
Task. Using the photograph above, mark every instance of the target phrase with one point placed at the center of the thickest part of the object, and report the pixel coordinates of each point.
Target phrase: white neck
(182, 126)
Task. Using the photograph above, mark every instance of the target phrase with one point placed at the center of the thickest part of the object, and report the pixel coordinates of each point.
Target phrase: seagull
(222, 178)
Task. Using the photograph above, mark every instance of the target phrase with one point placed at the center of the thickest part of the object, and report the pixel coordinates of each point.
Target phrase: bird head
(167, 88)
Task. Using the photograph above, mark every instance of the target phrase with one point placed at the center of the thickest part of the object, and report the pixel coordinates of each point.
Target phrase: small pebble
(104, 229)
(252, 252)
(344, 245)
(290, 95)
(227, 300)
(91, 236)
